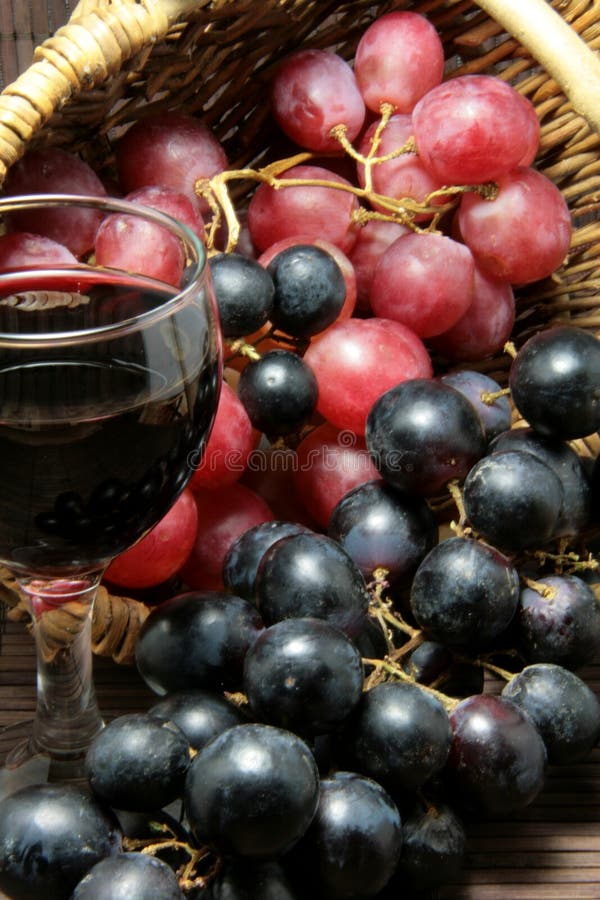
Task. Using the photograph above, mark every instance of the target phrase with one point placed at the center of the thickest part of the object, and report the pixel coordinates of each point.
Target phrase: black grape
(422, 434)
(244, 293)
(50, 837)
(309, 290)
(433, 849)
(201, 715)
(129, 876)
(495, 414)
(243, 557)
(138, 762)
(249, 879)
(555, 382)
(279, 392)
(303, 674)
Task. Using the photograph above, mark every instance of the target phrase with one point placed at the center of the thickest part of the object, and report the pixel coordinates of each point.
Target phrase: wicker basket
(117, 61)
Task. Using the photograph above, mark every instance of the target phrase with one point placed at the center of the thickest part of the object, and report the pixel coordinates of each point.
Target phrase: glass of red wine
(109, 380)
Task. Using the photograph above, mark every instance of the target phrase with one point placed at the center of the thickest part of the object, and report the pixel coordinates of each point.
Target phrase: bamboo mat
(551, 851)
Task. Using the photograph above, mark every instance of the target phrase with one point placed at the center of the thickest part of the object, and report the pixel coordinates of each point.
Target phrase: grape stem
(391, 668)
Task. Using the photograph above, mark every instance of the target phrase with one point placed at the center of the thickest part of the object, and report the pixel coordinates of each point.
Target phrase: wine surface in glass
(97, 438)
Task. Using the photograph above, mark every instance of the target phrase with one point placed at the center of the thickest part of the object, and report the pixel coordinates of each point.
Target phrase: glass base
(21, 764)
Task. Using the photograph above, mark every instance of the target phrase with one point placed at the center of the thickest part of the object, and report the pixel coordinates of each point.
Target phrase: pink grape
(20, 248)
(314, 211)
(330, 463)
(373, 238)
(403, 176)
(312, 91)
(486, 325)
(473, 129)
(223, 515)
(172, 203)
(229, 446)
(160, 554)
(133, 244)
(169, 149)
(398, 59)
(358, 360)
(524, 234)
(425, 281)
(270, 474)
(55, 171)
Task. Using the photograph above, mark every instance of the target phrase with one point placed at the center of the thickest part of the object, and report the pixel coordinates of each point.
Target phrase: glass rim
(193, 247)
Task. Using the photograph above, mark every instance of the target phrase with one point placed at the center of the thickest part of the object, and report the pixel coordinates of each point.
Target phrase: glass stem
(67, 716)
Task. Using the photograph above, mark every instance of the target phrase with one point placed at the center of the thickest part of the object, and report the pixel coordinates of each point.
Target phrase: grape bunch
(375, 526)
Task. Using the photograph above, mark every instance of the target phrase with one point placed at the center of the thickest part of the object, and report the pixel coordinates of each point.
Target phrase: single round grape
(311, 575)
(563, 708)
(330, 463)
(279, 392)
(422, 434)
(433, 848)
(497, 760)
(513, 500)
(575, 510)
(495, 234)
(373, 238)
(50, 837)
(224, 512)
(353, 844)
(197, 640)
(201, 715)
(225, 457)
(243, 557)
(559, 621)
(555, 382)
(478, 388)
(304, 675)
(127, 876)
(474, 128)
(130, 243)
(464, 593)
(138, 762)
(244, 293)
(313, 91)
(399, 735)
(316, 211)
(398, 59)
(486, 325)
(51, 170)
(356, 361)
(381, 527)
(252, 791)
(309, 290)
(425, 281)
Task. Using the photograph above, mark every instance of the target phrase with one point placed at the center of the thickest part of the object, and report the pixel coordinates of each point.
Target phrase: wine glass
(109, 381)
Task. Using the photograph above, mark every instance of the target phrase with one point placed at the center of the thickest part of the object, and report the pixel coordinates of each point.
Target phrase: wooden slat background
(550, 851)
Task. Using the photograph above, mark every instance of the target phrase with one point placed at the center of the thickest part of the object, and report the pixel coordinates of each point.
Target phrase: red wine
(97, 436)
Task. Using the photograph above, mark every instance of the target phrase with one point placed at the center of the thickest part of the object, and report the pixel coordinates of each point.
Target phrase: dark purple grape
(279, 392)
(201, 715)
(422, 434)
(303, 674)
(513, 500)
(50, 837)
(497, 760)
(197, 640)
(244, 293)
(575, 509)
(464, 593)
(555, 382)
(310, 575)
(129, 876)
(309, 290)
(558, 621)
(433, 848)
(353, 844)
(564, 710)
(248, 879)
(138, 763)
(399, 734)
(252, 791)
(243, 557)
(434, 662)
(476, 386)
(381, 527)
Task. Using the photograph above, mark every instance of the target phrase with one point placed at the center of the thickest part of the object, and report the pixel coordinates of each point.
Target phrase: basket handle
(85, 52)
